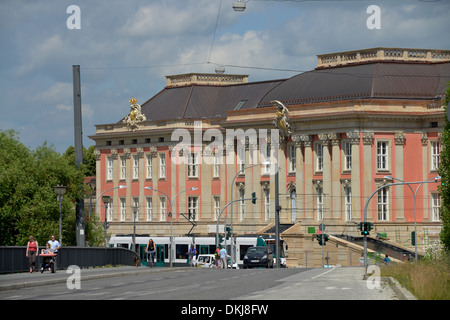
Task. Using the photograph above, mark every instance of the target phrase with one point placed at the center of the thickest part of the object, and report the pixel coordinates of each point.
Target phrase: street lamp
(101, 194)
(415, 196)
(60, 192)
(106, 200)
(170, 215)
(239, 6)
(233, 253)
(371, 196)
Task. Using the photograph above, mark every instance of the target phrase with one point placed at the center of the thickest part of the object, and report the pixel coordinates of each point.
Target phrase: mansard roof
(380, 80)
(198, 101)
(379, 73)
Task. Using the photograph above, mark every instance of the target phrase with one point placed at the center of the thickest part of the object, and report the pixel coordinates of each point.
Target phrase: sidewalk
(26, 280)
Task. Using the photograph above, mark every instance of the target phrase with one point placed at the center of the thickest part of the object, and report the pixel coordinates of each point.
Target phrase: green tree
(28, 203)
(444, 172)
(89, 163)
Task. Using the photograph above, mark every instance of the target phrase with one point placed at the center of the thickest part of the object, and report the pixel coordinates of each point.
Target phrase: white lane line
(319, 275)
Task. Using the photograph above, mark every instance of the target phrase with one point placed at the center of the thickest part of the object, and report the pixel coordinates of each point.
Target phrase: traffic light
(319, 239)
(228, 232)
(323, 237)
(413, 238)
(365, 228)
(254, 197)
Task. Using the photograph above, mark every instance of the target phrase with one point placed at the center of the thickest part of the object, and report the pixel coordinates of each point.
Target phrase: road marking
(98, 293)
(323, 273)
(117, 284)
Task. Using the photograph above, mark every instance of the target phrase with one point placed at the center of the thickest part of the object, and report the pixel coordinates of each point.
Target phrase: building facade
(358, 120)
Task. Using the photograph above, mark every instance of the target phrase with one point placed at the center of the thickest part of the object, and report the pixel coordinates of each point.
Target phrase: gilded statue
(282, 119)
(135, 116)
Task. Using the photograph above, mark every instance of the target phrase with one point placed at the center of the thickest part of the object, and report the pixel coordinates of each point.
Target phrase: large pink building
(359, 118)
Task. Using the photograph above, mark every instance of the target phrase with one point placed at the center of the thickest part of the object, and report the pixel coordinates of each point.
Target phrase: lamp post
(171, 217)
(101, 194)
(371, 196)
(60, 192)
(239, 6)
(106, 200)
(415, 215)
(135, 210)
(233, 253)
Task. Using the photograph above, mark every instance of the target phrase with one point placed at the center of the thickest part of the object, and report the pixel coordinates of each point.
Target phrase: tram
(204, 245)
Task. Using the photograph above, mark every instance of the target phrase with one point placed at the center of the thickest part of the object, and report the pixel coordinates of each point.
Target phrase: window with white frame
(193, 208)
(383, 204)
(135, 208)
(123, 167)
(292, 158)
(162, 208)
(319, 157)
(347, 156)
(135, 166)
(162, 165)
(241, 159)
(110, 210)
(148, 166)
(109, 168)
(435, 206)
(293, 205)
(149, 208)
(216, 207)
(216, 164)
(319, 203)
(382, 155)
(267, 160)
(123, 209)
(242, 204)
(348, 203)
(193, 165)
(267, 204)
(435, 155)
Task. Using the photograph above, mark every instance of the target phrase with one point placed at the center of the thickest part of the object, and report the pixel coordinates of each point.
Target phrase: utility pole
(79, 209)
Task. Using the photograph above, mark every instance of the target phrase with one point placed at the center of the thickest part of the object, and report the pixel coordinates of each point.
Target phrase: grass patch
(427, 279)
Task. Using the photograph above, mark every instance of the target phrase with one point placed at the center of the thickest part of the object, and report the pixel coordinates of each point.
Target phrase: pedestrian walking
(151, 252)
(192, 255)
(223, 257)
(32, 252)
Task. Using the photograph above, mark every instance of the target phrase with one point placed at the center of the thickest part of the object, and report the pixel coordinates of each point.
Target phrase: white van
(207, 261)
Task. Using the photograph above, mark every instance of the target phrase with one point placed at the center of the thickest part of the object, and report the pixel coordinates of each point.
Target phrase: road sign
(321, 227)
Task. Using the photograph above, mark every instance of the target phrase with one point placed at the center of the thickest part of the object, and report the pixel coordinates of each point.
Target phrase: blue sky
(126, 48)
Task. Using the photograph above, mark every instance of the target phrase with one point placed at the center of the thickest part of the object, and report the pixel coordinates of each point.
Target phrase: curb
(45, 282)
(401, 291)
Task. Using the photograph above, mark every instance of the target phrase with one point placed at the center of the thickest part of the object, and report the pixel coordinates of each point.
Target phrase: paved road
(205, 284)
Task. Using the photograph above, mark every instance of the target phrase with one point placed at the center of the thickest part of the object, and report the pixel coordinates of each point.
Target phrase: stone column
(309, 170)
(336, 209)
(299, 178)
(326, 176)
(355, 172)
(368, 138)
(399, 141)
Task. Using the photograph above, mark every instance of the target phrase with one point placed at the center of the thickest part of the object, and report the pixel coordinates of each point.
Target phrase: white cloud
(38, 51)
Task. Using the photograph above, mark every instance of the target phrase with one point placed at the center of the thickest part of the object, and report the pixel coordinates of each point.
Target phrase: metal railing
(13, 259)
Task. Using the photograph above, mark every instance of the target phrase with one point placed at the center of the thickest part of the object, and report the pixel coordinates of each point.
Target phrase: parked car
(258, 257)
(207, 261)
